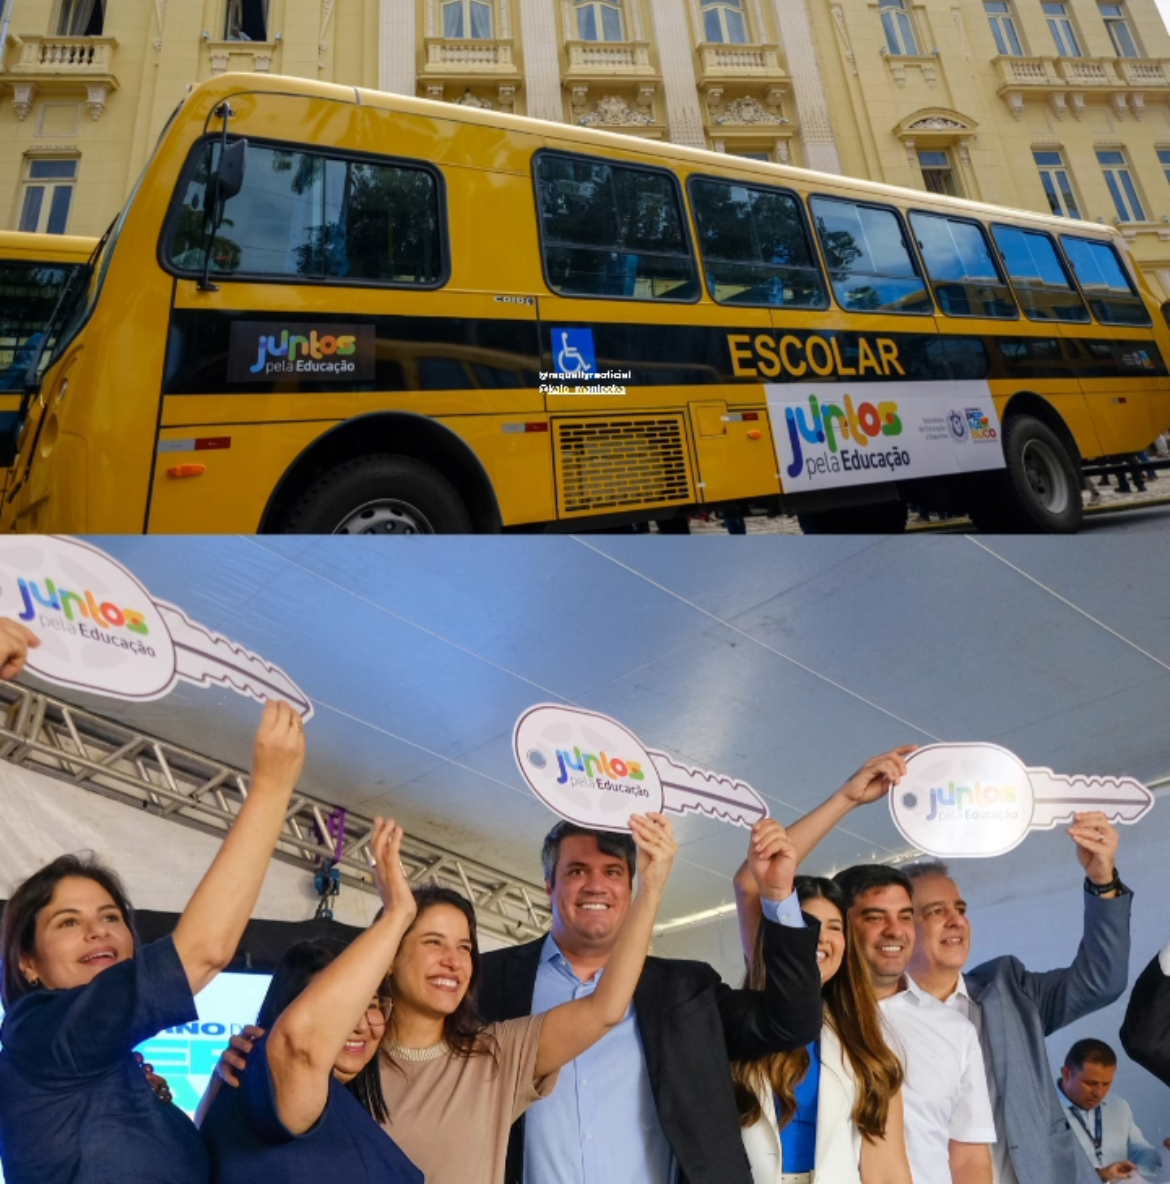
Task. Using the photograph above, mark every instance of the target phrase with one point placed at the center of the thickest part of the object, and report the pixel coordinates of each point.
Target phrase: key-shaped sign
(102, 631)
(596, 773)
(981, 800)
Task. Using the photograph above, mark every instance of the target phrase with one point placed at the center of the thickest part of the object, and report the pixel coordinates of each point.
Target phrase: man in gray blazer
(1014, 1008)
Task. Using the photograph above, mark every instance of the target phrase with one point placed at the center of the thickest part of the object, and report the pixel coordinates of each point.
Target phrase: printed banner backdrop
(831, 434)
(980, 800)
(593, 771)
(102, 631)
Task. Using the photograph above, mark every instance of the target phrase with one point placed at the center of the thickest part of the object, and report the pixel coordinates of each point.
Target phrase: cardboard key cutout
(980, 800)
(590, 769)
(102, 631)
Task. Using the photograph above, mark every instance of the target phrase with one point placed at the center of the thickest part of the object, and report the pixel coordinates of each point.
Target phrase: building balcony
(458, 59)
(1065, 82)
(243, 57)
(729, 63)
(604, 61)
(61, 65)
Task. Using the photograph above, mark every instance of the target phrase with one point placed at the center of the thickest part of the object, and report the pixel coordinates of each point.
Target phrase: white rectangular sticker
(830, 434)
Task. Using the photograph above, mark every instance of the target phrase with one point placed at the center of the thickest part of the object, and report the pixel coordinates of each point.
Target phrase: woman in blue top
(80, 993)
(308, 1106)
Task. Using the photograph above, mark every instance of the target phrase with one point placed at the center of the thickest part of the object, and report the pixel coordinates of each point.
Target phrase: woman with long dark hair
(79, 992)
(308, 1105)
(450, 1086)
(833, 1110)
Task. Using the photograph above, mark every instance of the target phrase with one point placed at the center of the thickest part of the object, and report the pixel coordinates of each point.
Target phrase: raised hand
(1096, 839)
(279, 752)
(654, 837)
(389, 876)
(234, 1059)
(877, 776)
(772, 859)
(15, 642)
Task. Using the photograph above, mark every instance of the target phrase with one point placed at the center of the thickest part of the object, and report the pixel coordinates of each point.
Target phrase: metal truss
(53, 737)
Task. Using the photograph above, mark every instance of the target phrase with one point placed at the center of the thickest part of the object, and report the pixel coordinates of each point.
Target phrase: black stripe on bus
(469, 353)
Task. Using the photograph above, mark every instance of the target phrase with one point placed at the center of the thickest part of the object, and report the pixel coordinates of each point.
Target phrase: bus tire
(379, 495)
(1040, 490)
(878, 518)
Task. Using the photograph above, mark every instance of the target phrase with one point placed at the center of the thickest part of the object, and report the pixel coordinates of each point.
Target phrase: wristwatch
(1114, 885)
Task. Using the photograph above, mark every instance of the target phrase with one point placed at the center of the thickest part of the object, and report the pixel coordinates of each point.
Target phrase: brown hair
(463, 1029)
(20, 917)
(851, 1010)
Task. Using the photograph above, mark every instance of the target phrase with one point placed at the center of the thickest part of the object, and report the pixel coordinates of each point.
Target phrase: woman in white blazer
(858, 1124)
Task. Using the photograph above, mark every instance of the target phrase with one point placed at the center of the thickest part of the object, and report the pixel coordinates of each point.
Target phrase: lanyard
(1094, 1138)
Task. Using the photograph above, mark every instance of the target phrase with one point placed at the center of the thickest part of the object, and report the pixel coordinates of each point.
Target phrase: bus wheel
(879, 518)
(379, 495)
(1040, 491)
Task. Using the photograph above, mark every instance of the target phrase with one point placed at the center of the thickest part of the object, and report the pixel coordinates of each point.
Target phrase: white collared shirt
(1002, 1171)
(945, 1092)
(1120, 1136)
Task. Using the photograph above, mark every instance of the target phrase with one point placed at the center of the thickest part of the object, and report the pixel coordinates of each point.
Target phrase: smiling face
(363, 1042)
(882, 921)
(79, 933)
(432, 971)
(590, 895)
(831, 943)
(942, 931)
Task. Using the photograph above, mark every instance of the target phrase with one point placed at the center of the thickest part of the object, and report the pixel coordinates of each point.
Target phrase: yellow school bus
(33, 272)
(325, 309)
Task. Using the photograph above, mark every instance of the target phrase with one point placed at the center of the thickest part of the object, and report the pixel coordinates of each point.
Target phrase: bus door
(340, 298)
(1118, 364)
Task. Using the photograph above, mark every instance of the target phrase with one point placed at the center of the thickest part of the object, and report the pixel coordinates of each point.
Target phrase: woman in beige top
(453, 1086)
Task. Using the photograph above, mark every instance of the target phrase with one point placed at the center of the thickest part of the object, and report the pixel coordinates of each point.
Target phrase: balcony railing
(1086, 72)
(1027, 71)
(727, 62)
(446, 56)
(1144, 71)
(74, 57)
(609, 57)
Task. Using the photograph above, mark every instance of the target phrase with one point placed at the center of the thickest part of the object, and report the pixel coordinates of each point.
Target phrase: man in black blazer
(1145, 1034)
(653, 1102)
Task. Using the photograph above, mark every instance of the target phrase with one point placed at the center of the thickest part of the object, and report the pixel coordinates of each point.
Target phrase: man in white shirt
(1103, 1124)
(948, 1115)
(1014, 1008)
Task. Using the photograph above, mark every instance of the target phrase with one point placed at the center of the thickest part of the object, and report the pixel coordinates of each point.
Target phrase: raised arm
(1098, 974)
(15, 642)
(213, 921)
(869, 784)
(573, 1027)
(312, 1030)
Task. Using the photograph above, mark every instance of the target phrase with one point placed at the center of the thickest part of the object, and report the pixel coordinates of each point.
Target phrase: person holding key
(652, 1101)
(1015, 1008)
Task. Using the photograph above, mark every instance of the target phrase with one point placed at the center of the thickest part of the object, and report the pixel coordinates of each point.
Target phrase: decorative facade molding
(614, 111)
(542, 67)
(843, 35)
(748, 109)
(95, 99)
(961, 29)
(680, 87)
(794, 31)
(23, 94)
(327, 7)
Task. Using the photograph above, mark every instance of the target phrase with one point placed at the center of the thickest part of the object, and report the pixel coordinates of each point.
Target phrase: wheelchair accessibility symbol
(573, 351)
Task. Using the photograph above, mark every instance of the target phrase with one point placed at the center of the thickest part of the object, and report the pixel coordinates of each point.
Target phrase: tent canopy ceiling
(784, 665)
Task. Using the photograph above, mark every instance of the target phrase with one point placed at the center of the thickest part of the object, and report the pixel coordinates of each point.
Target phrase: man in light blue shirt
(1104, 1124)
(652, 1102)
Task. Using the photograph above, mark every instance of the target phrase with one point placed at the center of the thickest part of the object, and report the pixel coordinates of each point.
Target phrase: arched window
(723, 22)
(900, 39)
(599, 20)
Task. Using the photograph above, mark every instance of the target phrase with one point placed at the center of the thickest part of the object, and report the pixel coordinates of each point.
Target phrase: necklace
(403, 1053)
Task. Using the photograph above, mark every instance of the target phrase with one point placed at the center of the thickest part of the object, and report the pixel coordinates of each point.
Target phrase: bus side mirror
(230, 174)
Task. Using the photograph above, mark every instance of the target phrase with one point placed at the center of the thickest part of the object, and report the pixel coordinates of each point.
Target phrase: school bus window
(870, 263)
(28, 295)
(966, 280)
(1042, 284)
(754, 246)
(612, 230)
(314, 216)
(1108, 289)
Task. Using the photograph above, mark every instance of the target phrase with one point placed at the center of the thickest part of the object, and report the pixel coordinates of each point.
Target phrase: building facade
(1060, 105)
